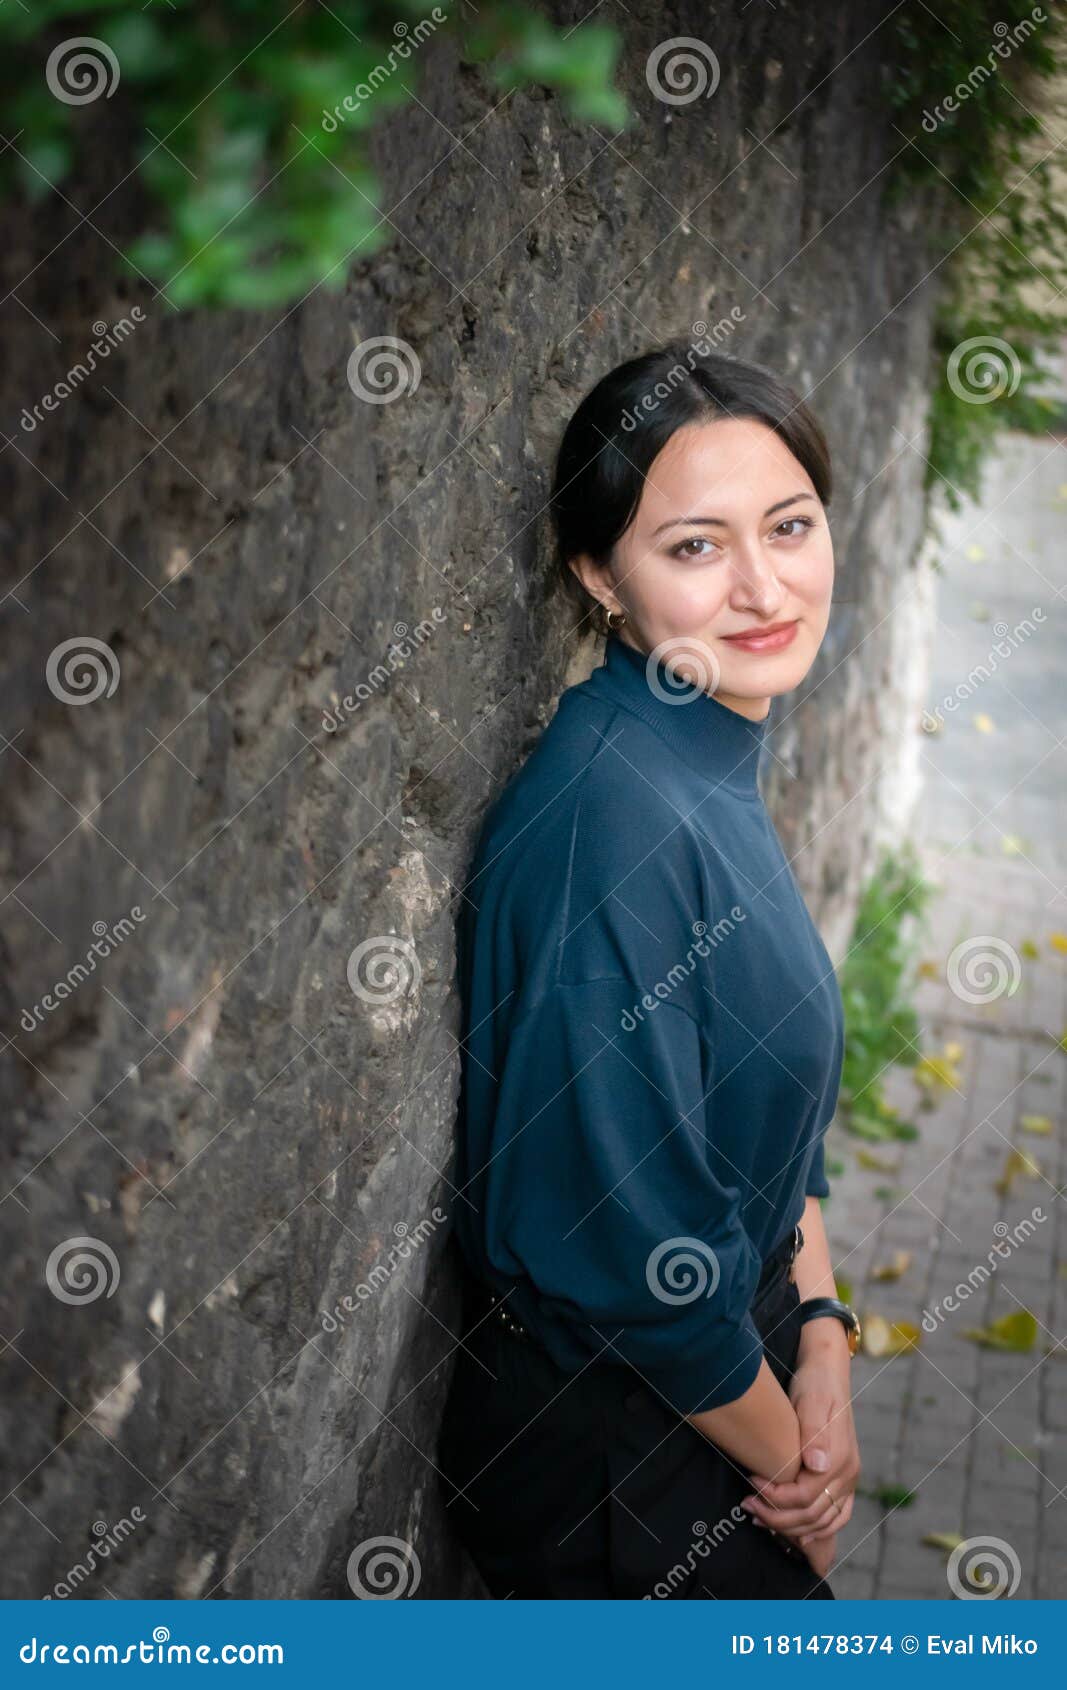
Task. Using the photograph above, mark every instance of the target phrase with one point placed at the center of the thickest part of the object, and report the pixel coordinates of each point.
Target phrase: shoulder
(600, 790)
(588, 861)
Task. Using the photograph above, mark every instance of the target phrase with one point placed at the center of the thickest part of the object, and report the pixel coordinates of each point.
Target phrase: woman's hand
(820, 1553)
(812, 1509)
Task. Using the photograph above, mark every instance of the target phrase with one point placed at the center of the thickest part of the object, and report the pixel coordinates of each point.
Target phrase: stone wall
(213, 1102)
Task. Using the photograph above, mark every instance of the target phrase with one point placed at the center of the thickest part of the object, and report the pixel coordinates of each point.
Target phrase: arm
(759, 1430)
(600, 1193)
(821, 1395)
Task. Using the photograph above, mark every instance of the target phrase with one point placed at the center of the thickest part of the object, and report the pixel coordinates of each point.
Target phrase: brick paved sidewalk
(978, 1434)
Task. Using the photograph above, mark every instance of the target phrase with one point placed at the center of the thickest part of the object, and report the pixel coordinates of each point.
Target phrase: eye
(693, 540)
(795, 523)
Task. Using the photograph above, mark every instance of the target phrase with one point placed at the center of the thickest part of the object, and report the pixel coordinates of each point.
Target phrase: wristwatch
(816, 1307)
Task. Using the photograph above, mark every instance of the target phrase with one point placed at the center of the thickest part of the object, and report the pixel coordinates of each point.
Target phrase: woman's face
(729, 539)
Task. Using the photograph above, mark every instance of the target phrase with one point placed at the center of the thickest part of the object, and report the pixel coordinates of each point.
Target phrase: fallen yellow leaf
(888, 1338)
(1015, 1331)
(895, 1268)
(1016, 1164)
(1036, 1124)
(984, 723)
(875, 1164)
(953, 1053)
(933, 1071)
(948, 1541)
(928, 971)
(1058, 941)
(1029, 949)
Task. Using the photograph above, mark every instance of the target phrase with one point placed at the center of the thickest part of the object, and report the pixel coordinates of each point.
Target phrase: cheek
(686, 601)
(668, 599)
(809, 576)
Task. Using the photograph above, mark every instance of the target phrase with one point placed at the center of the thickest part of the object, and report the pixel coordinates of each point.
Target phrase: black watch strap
(814, 1308)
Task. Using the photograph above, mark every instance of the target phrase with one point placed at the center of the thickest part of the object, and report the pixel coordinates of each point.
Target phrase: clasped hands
(811, 1509)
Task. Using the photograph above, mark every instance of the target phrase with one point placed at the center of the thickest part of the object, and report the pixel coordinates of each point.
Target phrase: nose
(755, 584)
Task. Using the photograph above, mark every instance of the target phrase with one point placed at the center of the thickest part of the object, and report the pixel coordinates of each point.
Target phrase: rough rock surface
(212, 1101)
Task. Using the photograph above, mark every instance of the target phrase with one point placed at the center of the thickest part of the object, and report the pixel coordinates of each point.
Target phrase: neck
(722, 743)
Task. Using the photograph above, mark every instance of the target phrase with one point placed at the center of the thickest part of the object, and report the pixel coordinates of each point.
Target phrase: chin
(752, 676)
(764, 677)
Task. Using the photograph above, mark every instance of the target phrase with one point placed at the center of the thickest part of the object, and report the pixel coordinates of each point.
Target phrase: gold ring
(833, 1499)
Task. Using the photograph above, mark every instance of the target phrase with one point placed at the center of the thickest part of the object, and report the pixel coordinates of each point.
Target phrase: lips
(774, 637)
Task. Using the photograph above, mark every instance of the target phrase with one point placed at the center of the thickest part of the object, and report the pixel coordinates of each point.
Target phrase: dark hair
(624, 422)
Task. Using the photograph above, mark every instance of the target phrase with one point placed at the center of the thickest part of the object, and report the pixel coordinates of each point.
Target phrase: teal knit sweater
(652, 1037)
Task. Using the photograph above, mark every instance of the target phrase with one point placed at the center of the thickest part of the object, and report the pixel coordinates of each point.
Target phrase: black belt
(494, 1304)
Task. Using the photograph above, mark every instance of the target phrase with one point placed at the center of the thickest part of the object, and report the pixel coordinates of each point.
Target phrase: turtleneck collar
(716, 741)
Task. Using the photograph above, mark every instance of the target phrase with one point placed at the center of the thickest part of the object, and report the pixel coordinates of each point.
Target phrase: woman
(651, 1397)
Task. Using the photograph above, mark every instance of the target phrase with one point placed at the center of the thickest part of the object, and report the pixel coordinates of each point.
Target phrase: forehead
(728, 467)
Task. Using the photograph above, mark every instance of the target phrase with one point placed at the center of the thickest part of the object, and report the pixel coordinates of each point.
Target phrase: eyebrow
(720, 521)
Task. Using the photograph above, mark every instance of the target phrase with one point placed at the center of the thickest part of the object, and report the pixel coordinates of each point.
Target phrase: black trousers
(564, 1485)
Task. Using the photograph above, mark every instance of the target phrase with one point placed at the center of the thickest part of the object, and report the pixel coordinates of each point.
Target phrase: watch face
(855, 1334)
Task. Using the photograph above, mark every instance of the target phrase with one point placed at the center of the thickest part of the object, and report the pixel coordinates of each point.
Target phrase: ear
(596, 579)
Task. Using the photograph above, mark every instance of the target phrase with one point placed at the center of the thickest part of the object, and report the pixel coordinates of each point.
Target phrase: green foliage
(880, 1025)
(250, 121)
(1003, 237)
(891, 1496)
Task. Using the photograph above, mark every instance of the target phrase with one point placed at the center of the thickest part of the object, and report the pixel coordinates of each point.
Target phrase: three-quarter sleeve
(817, 1184)
(601, 1191)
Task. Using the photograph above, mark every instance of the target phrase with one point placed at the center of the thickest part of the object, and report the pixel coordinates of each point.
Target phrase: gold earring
(621, 614)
